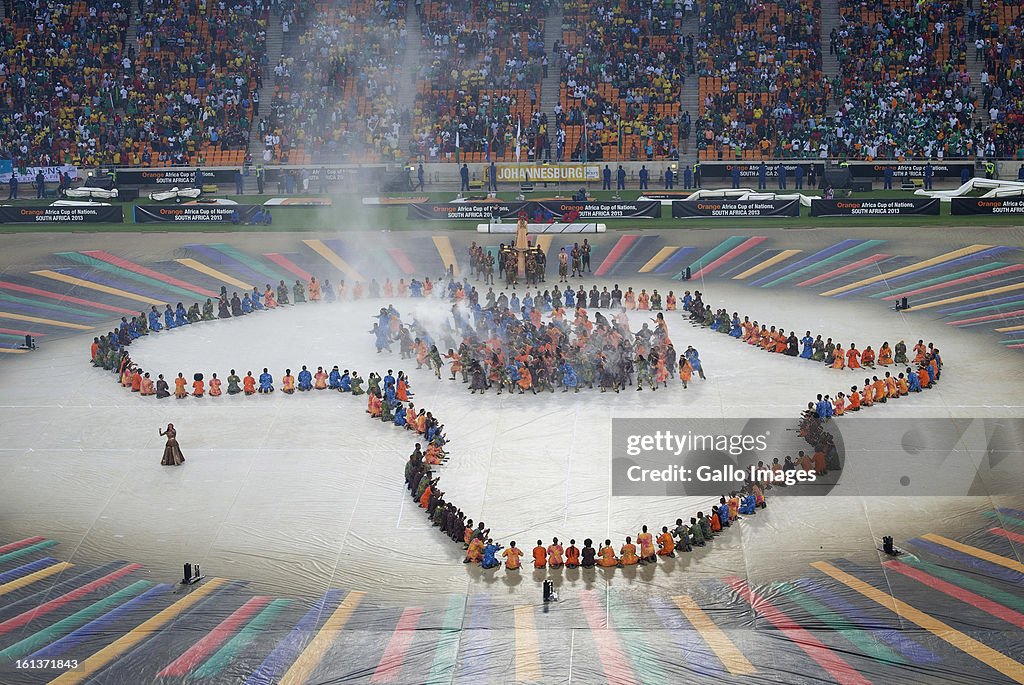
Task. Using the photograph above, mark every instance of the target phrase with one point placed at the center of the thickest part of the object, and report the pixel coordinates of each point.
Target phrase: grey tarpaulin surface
(289, 498)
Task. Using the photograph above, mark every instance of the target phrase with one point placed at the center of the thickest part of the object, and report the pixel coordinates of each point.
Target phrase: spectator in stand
(335, 98)
(621, 81)
(479, 87)
(761, 84)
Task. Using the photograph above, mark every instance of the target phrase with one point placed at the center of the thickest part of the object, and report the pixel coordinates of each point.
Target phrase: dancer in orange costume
(607, 555)
(179, 387)
(885, 354)
(666, 543)
(853, 357)
(540, 555)
(572, 555)
(512, 557)
(646, 543)
(627, 553)
(840, 358)
(555, 552)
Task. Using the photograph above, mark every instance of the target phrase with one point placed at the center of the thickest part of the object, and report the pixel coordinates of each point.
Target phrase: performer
(901, 353)
(808, 346)
(162, 389)
(646, 542)
(885, 354)
(512, 557)
(540, 555)
(305, 379)
(179, 387)
(555, 551)
(853, 357)
(572, 555)
(607, 555)
(266, 382)
(627, 553)
(172, 452)
(233, 381)
(667, 543)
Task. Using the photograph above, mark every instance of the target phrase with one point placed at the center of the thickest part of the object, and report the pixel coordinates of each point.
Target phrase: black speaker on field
(837, 178)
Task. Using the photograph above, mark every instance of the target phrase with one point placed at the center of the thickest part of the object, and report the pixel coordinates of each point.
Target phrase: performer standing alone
(172, 453)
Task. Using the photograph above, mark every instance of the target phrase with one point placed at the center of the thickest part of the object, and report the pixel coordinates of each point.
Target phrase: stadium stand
(621, 78)
(334, 96)
(762, 94)
(1000, 45)
(188, 99)
(905, 91)
(60, 85)
(77, 89)
(171, 82)
(480, 83)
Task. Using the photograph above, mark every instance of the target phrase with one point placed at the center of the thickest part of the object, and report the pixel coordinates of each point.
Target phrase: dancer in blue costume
(305, 379)
(180, 315)
(266, 383)
(569, 378)
(808, 343)
(490, 550)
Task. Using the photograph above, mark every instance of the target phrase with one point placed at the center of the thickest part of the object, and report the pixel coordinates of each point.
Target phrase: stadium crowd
(905, 88)
(479, 85)
(76, 88)
(334, 96)
(761, 87)
(162, 82)
(1000, 44)
(622, 71)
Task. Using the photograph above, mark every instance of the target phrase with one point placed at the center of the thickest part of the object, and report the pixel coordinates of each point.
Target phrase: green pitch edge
(712, 255)
(64, 309)
(848, 252)
(856, 636)
(130, 275)
(645, 661)
(25, 551)
(448, 643)
(223, 657)
(61, 628)
(979, 587)
(942, 279)
(254, 264)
